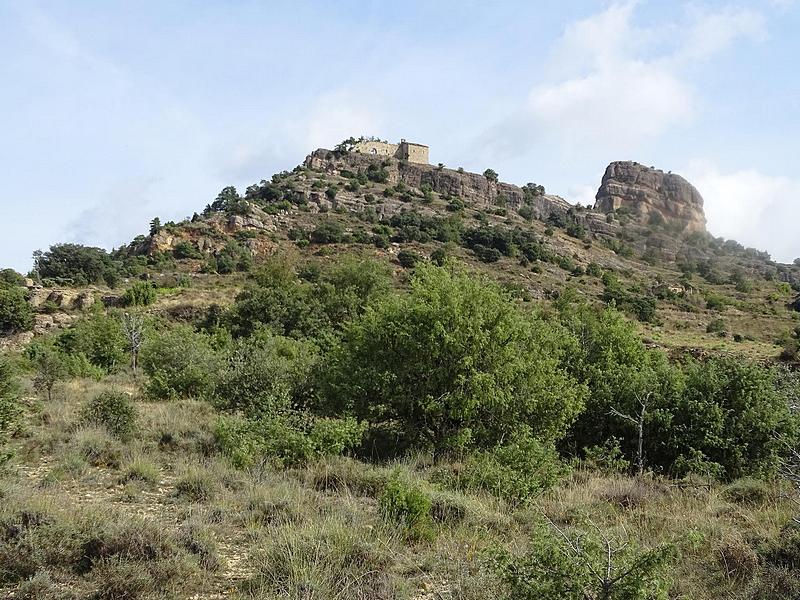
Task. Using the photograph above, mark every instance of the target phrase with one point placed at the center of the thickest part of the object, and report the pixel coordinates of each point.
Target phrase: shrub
(259, 375)
(179, 362)
(196, 486)
(141, 293)
(715, 326)
(516, 471)
(292, 438)
(747, 491)
(114, 411)
(407, 259)
(16, 313)
(558, 567)
(490, 174)
(99, 337)
(328, 232)
(186, 249)
(405, 503)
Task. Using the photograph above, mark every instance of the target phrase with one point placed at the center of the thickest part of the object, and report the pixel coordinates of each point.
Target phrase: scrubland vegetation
(340, 431)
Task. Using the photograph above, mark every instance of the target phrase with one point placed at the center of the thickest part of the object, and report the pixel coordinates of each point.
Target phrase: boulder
(651, 196)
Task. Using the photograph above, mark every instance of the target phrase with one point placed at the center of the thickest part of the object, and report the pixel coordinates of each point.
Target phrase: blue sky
(112, 113)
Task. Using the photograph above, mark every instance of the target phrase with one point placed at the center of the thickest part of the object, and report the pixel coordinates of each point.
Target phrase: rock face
(651, 196)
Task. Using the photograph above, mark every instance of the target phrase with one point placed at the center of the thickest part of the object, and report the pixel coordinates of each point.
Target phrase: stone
(83, 301)
(649, 195)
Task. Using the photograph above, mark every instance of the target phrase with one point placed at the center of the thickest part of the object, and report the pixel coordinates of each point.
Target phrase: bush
(558, 567)
(141, 293)
(259, 376)
(16, 313)
(328, 232)
(407, 259)
(287, 439)
(407, 504)
(179, 363)
(516, 471)
(114, 411)
(186, 249)
(99, 338)
(748, 491)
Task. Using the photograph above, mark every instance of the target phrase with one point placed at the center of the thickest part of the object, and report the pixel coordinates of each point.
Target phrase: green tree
(15, 312)
(490, 174)
(155, 226)
(453, 364)
(81, 265)
(50, 369)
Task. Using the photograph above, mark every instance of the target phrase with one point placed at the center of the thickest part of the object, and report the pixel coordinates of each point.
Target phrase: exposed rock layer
(651, 196)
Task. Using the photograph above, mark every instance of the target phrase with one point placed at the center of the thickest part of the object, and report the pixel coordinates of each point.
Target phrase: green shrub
(99, 337)
(113, 410)
(259, 375)
(407, 259)
(291, 438)
(558, 566)
(328, 232)
(747, 491)
(141, 293)
(405, 503)
(16, 313)
(516, 471)
(186, 249)
(179, 363)
(196, 486)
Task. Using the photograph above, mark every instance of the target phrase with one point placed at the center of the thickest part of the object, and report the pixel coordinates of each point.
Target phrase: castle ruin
(415, 153)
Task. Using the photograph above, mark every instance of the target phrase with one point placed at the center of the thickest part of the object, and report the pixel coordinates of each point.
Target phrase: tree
(80, 264)
(490, 174)
(452, 364)
(50, 369)
(133, 327)
(155, 226)
(15, 312)
(99, 337)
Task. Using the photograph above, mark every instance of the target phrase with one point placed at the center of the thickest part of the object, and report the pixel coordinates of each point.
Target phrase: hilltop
(643, 246)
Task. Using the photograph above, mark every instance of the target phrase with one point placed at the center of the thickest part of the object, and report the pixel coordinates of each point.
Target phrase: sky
(112, 113)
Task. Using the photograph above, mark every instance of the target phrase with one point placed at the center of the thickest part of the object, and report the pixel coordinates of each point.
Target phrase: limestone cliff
(650, 195)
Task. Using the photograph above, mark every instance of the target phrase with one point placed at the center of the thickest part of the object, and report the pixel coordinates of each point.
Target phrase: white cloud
(615, 83)
(751, 207)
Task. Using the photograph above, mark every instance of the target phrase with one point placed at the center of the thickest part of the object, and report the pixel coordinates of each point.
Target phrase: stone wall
(376, 148)
(416, 153)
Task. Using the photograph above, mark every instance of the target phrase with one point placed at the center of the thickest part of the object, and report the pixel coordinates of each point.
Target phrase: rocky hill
(651, 196)
(647, 229)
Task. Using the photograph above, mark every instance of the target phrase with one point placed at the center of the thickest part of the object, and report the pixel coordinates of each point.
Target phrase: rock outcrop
(651, 196)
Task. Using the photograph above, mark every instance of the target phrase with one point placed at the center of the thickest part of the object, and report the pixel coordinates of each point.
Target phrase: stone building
(416, 153)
